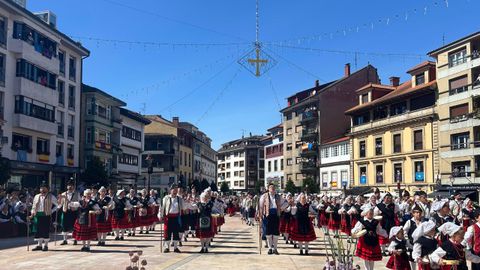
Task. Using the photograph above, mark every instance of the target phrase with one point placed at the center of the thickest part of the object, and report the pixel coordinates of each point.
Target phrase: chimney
(347, 69)
(175, 121)
(394, 81)
(317, 83)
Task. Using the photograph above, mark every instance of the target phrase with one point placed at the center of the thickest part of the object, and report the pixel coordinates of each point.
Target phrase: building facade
(458, 78)
(101, 127)
(185, 155)
(274, 162)
(335, 166)
(40, 83)
(127, 163)
(393, 133)
(315, 116)
(241, 164)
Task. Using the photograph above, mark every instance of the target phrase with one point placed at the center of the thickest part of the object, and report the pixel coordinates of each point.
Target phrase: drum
(451, 262)
(142, 212)
(378, 218)
(359, 234)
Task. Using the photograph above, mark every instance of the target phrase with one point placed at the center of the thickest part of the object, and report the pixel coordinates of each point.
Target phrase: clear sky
(309, 39)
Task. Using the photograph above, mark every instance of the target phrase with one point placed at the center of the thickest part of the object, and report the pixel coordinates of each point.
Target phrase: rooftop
(91, 89)
(453, 44)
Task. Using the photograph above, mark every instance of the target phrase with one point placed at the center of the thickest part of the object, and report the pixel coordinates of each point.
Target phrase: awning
(448, 193)
(355, 191)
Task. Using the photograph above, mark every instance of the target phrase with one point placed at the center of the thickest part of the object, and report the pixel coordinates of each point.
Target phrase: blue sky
(204, 84)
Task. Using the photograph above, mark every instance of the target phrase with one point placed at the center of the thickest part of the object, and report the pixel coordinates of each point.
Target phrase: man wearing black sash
(171, 212)
(44, 205)
(269, 213)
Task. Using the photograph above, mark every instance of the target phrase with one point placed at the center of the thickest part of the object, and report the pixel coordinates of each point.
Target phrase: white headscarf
(86, 191)
(436, 206)
(394, 231)
(422, 229)
(449, 228)
(365, 209)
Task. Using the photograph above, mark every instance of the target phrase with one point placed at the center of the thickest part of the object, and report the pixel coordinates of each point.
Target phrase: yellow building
(393, 133)
(458, 77)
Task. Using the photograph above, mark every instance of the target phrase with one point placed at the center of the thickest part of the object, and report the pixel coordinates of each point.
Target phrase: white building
(40, 84)
(132, 139)
(335, 164)
(274, 162)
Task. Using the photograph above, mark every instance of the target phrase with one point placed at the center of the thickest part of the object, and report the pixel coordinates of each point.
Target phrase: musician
(388, 210)
(68, 200)
(44, 205)
(456, 205)
(104, 226)
(409, 227)
(171, 211)
(467, 216)
(85, 228)
(286, 218)
(453, 250)
(249, 208)
(302, 227)
(269, 212)
(346, 223)
(424, 245)
(398, 250)
(204, 229)
(472, 238)
(368, 246)
(120, 220)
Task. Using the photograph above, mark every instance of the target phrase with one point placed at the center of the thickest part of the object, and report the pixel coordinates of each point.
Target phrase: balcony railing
(308, 117)
(459, 118)
(309, 135)
(308, 167)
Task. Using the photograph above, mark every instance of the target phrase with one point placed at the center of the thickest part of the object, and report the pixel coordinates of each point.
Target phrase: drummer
(424, 244)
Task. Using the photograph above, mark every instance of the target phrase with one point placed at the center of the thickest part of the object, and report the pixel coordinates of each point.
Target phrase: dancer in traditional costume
(334, 217)
(467, 216)
(134, 216)
(44, 205)
(456, 205)
(104, 225)
(472, 239)
(424, 245)
(302, 229)
(69, 203)
(145, 211)
(286, 218)
(120, 220)
(346, 222)
(322, 215)
(368, 246)
(355, 211)
(85, 228)
(205, 231)
(171, 213)
(387, 209)
(398, 250)
(422, 201)
(409, 227)
(269, 212)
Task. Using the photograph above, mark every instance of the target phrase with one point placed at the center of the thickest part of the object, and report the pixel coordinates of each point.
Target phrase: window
(70, 148)
(378, 146)
(59, 149)
(131, 133)
(289, 131)
(325, 153)
(460, 140)
(289, 147)
(128, 159)
(36, 74)
(241, 183)
(72, 68)
(235, 164)
(459, 113)
(380, 113)
(363, 149)
(361, 119)
(229, 174)
(3, 31)
(457, 58)
(228, 165)
(363, 175)
(422, 102)
(335, 151)
(379, 174)
(61, 93)
(71, 126)
(33, 108)
(344, 178)
(364, 98)
(61, 59)
(275, 165)
(89, 135)
(60, 124)
(458, 85)
(419, 172)
(242, 163)
(235, 173)
(2, 68)
(397, 172)
(420, 79)
(397, 143)
(190, 160)
(418, 139)
(289, 116)
(71, 97)
(181, 157)
(281, 164)
(398, 108)
(298, 129)
(41, 43)
(289, 162)
(242, 174)
(21, 142)
(460, 169)
(269, 165)
(325, 179)
(334, 179)
(43, 147)
(235, 183)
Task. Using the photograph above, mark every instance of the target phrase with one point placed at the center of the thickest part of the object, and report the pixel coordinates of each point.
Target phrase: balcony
(308, 168)
(24, 87)
(61, 130)
(103, 146)
(461, 93)
(309, 135)
(44, 158)
(462, 64)
(308, 117)
(309, 153)
(461, 150)
(27, 51)
(34, 124)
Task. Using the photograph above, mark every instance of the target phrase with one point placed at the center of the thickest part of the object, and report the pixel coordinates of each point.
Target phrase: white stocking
(275, 241)
(369, 265)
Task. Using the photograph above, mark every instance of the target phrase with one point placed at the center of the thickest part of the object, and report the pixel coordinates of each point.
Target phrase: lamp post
(149, 161)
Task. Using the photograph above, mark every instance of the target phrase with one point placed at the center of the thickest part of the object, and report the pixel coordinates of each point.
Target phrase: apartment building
(274, 162)
(335, 166)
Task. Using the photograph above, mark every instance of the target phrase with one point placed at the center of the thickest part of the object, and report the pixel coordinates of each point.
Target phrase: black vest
(84, 210)
(455, 252)
(120, 204)
(428, 245)
(101, 203)
(371, 237)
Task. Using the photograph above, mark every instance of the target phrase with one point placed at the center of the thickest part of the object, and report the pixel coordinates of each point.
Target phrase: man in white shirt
(44, 205)
(172, 208)
(269, 212)
(69, 212)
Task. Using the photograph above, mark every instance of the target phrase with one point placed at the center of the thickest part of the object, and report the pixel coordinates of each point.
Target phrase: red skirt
(398, 263)
(104, 227)
(155, 215)
(422, 266)
(353, 220)
(151, 215)
(231, 211)
(205, 233)
(345, 227)
(297, 236)
(322, 217)
(84, 232)
(368, 253)
(285, 225)
(121, 223)
(333, 224)
(383, 240)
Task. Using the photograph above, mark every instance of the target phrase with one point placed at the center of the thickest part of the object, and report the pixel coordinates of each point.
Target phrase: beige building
(458, 71)
(393, 133)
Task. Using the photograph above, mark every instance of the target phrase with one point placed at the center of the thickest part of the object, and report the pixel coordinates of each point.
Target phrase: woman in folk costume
(472, 238)
(286, 218)
(451, 255)
(302, 227)
(368, 247)
(120, 219)
(155, 208)
(85, 229)
(409, 227)
(193, 199)
(69, 206)
(398, 249)
(44, 205)
(322, 215)
(424, 245)
(145, 211)
(346, 223)
(467, 215)
(355, 211)
(334, 216)
(104, 225)
(388, 210)
(134, 217)
(205, 230)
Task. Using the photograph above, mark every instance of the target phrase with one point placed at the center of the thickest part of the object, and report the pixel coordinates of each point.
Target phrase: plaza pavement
(236, 247)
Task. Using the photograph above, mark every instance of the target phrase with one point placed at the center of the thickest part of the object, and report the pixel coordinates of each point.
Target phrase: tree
(95, 173)
(5, 170)
(310, 186)
(224, 187)
(259, 186)
(290, 187)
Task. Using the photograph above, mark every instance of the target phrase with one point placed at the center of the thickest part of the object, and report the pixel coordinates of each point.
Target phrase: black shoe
(270, 252)
(266, 246)
(177, 250)
(37, 248)
(301, 251)
(286, 242)
(306, 252)
(171, 244)
(202, 251)
(133, 234)
(121, 238)
(64, 243)
(180, 244)
(45, 248)
(87, 249)
(117, 238)
(83, 248)
(129, 234)
(141, 232)
(185, 239)
(166, 250)
(147, 232)
(275, 252)
(294, 245)
(99, 243)
(206, 250)
(74, 242)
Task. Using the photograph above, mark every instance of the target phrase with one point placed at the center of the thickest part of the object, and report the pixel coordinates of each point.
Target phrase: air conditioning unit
(48, 17)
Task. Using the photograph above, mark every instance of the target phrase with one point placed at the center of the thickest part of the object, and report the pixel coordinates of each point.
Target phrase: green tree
(224, 187)
(258, 186)
(5, 170)
(95, 172)
(310, 186)
(290, 187)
